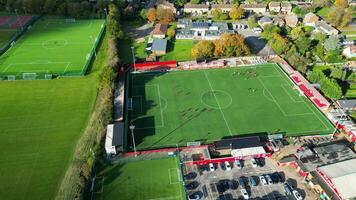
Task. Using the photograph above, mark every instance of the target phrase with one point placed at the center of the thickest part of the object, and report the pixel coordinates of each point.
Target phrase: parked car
(220, 188)
(263, 180)
(252, 181)
(195, 196)
(192, 185)
(211, 167)
(242, 181)
(225, 184)
(238, 164)
(260, 162)
(233, 184)
(149, 46)
(190, 176)
(244, 193)
(227, 166)
(287, 189)
(297, 195)
(275, 178)
(280, 177)
(257, 30)
(269, 180)
(253, 162)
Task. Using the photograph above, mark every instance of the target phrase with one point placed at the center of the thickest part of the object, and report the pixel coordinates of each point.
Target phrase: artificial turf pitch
(145, 180)
(206, 105)
(52, 46)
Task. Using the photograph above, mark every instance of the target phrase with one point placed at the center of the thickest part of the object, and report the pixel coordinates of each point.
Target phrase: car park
(238, 164)
(269, 180)
(275, 178)
(211, 167)
(244, 193)
(263, 180)
(287, 189)
(225, 184)
(227, 166)
(297, 195)
(260, 162)
(253, 162)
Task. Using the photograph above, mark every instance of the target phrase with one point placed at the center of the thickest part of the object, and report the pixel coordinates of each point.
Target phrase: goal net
(70, 20)
(11, 77)
(48, 76)
(29, 76)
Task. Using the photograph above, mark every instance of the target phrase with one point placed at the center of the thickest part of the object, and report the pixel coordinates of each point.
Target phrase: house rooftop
(254, 5)
(189, 5)
(160, 29)
(224, 6)
(286, 4)
(159, 45)
(347, 103)
(274, 4)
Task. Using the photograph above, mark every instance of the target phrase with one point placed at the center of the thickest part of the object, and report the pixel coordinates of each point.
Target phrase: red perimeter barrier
(151, 66)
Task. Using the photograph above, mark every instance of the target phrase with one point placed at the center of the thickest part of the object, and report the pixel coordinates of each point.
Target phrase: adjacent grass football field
(206, 105)
(144, 180)
(40, 124)
(6, 35)
(53, 46)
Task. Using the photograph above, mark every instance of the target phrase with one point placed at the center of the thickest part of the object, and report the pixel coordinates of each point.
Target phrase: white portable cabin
(114, 140)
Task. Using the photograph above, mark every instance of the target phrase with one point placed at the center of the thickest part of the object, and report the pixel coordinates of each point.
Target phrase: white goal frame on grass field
(29, 76)
(70, 20)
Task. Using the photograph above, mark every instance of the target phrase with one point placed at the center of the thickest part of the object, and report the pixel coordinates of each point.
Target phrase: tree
(337, 73)
(171, 32)
(303, 44)
(334, 56)
(297, 32)
(151, 14)
(203, 49)
(143, 14)
(332, 43)
(236, 12)
(320, 37)
(216, 13)
(181, 2)
(252, 21)
(195, 1)
(341, 3)
(231, 45)
(315, 76)
(278, 43)
(165, 16)
(331, 88)
(340, 17)
(270, 30)
(321, 4)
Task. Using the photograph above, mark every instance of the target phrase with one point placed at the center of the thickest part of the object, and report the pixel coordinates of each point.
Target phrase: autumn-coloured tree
(203, 49)
(165, 16)
(234, 45)
(236, 12)
(341, 3)
(151, 14)
(219, 48)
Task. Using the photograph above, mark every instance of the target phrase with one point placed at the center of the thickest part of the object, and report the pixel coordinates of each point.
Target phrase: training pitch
(53, 46)
(146, 180)
(206, 105)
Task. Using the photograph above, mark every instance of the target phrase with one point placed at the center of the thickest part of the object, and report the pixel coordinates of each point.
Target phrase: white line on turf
(216, 99)
(160, 104)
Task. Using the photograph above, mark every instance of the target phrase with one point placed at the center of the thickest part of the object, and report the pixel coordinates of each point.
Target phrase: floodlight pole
(133, 57)
(132, 127)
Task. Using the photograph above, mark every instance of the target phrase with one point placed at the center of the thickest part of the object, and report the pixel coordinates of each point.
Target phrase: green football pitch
(144, 180)
(52, 46)
(206, 105)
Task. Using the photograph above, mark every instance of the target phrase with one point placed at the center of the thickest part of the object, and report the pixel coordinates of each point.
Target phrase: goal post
(29, 76)
(70, 20)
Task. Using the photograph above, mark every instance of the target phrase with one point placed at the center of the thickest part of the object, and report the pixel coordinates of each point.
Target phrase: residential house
(183, 22)
(166, 5)
(264, 21)
(160, 31)
(347, 104)
(225, 8)
(255, 7)
(286, 7)
(352, 2)
(196, 9)
(310, 19)
(274, 6)
(278, 21)
(291, 20)
(326, 28)
(159, 46)
(203, 30)
(350, 51)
